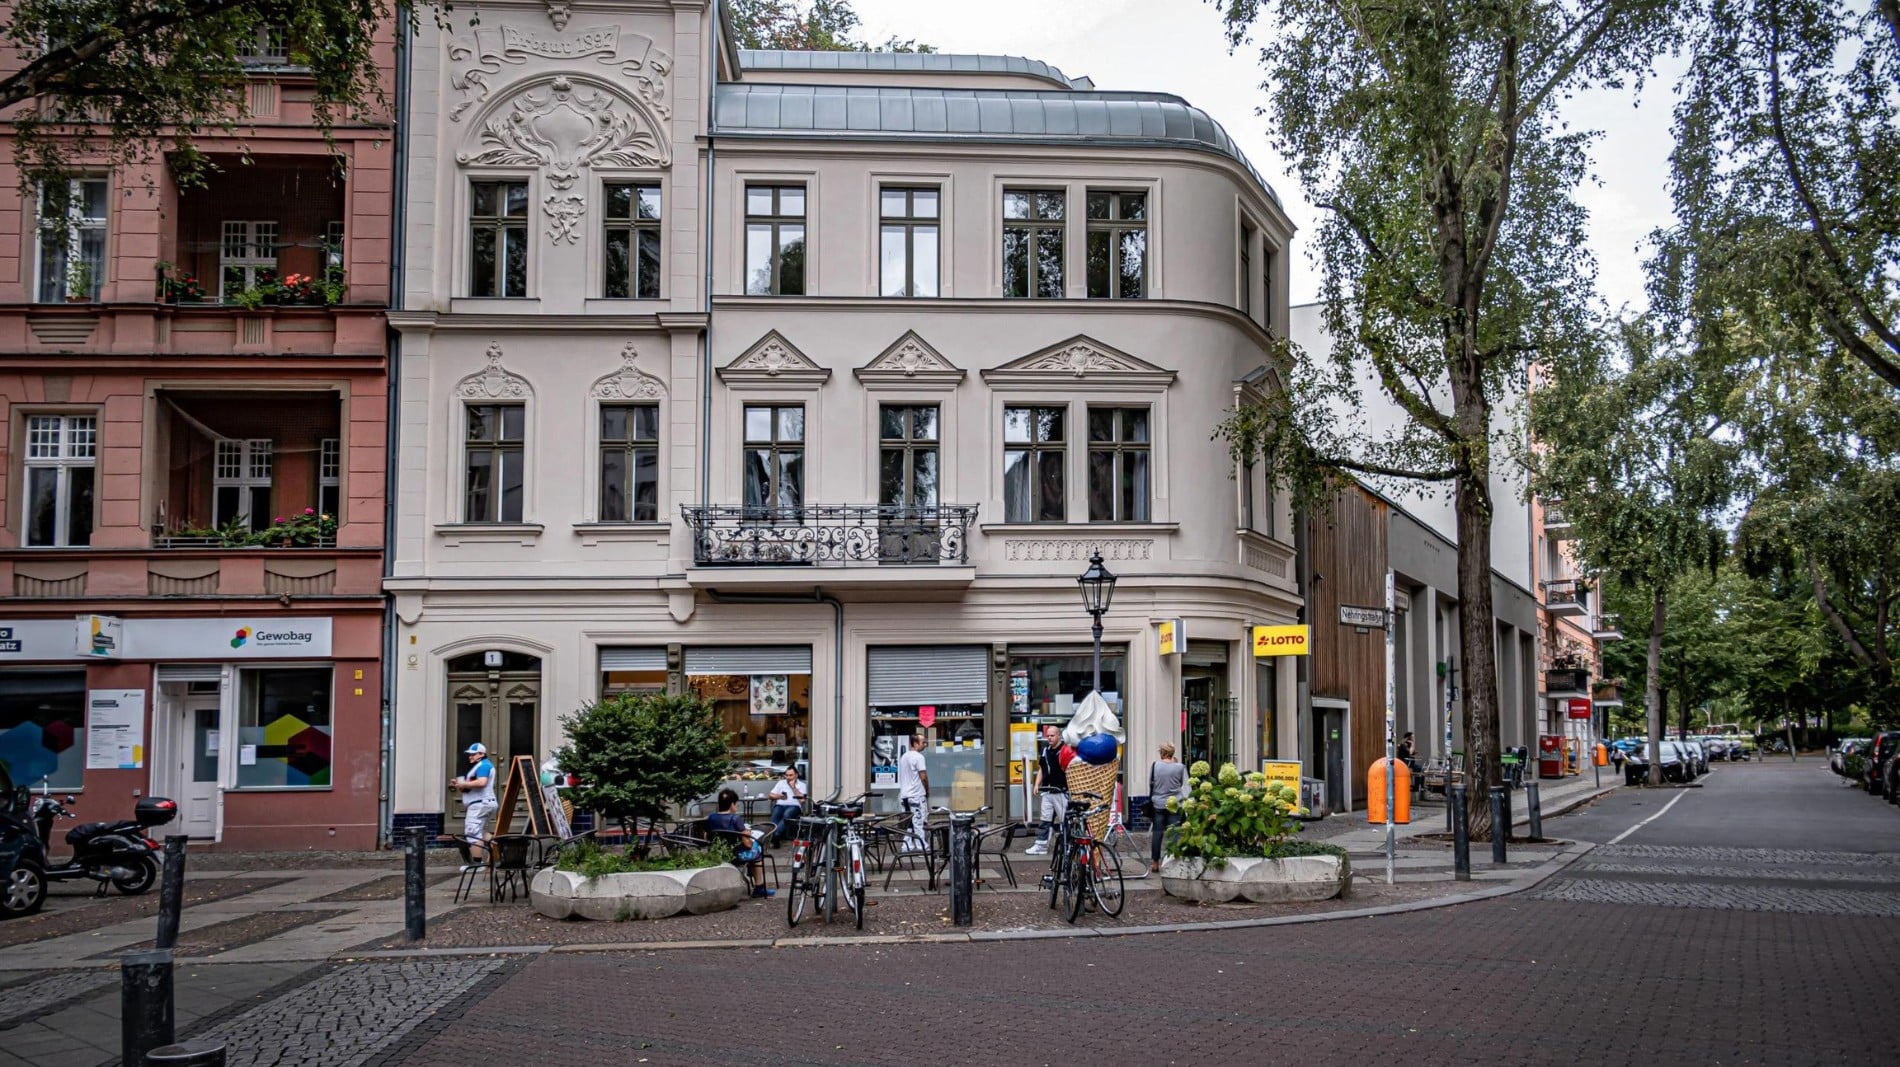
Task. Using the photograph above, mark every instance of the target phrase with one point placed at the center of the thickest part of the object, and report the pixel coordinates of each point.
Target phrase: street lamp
(1098, 588)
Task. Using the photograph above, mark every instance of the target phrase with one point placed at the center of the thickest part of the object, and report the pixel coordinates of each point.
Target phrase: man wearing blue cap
(477, 788)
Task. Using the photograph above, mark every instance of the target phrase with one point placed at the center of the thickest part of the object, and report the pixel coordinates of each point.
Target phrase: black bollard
(1460, 837)
(145, 1003)
(1500, 823)
(961, 873)
(171, 891)
(198, 1052)
(1536, 810)
(415, 916)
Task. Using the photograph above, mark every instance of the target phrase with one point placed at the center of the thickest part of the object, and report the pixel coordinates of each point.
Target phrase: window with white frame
(774, 469)
(498, 238)
(330, 476)
(333, 251)
(267, 46)
(1117, 244)
(629, 462)
(241, 483)
(72, 240)
(907, 241)
(775, 240)
(632, 220)
(247, 256)
(1033, 225)
(495, 480)
(60, 451)
(1119, 469)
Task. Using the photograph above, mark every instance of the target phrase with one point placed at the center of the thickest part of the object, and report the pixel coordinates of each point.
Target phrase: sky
(1177, 46)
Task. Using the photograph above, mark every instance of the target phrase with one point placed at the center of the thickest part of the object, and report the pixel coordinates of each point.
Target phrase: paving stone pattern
(348, 1015)
(24, 1000)
(1733, 879)
(1724, 897)
(1777, 856)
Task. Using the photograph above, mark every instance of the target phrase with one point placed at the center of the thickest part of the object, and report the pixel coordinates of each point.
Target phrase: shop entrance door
(1329, 754)
(501, 708)
(1210, 720)
(195, 741)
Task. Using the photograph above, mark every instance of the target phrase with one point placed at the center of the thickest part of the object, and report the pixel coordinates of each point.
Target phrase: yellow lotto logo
(1280, 640)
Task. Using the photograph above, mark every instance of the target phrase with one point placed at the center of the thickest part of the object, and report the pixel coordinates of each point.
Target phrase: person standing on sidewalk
(1052, 787)
(913, 788)
(1166, 778)
(477, 788)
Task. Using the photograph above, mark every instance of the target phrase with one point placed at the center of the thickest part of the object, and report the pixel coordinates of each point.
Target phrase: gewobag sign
(228, 638)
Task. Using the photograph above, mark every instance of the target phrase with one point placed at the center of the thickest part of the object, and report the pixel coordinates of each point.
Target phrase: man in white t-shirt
(913, 788)
(478, 799)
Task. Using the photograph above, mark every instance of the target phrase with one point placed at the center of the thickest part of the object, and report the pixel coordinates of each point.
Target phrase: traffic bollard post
(145, 1003)
(171, 891)
(1536, 811)
(1460, 837)
(962, 876)
(415, 916)
(1500, 822)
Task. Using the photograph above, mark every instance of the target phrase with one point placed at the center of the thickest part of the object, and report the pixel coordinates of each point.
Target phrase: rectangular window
(284, 716)
(775, 240)
(629, 463)
(907, 242)
(60, 451)
(1118, 464)
(330, 477)
(1118, 245)
(247, 256)
(1246, 270)
(1034, 457)
(333, 252)
(1246, 495)
(43, 728)
(1033, 223)
(774, 459)
(241, 483)
(495, 473)
(498, 238)
(72, 237)
(267, 46)
(1266, 285)
(907, 456)
(1266, 701)
(633, 241)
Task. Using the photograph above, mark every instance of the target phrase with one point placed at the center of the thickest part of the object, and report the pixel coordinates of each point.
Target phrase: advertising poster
(1022, 749)
(1285, 772)
(1019, 692)
(771, 693)
(115, 729)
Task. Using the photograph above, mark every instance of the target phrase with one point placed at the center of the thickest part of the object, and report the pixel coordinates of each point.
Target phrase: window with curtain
(629, 462)
(1119, 468)
(774, 459)
(1035, 455)
(72, 240)
(60, 453)
(495, 474)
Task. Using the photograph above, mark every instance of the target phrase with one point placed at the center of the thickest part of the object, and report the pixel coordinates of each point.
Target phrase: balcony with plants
(248, 470)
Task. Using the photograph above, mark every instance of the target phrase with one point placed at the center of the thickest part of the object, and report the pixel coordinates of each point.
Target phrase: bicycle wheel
(1105, 882)
(1077, 884)
(831, 891)
(857, 882)
(796, 895)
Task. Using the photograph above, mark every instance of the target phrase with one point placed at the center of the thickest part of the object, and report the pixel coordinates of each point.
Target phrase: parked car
(1698, 755)
(1837, 757)
(22, 854)
(1879, 754)
(1675, 767)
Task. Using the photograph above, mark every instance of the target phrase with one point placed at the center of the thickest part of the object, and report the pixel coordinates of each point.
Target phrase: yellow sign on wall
(1284, 771)
(1173, 637)
(1280, 640)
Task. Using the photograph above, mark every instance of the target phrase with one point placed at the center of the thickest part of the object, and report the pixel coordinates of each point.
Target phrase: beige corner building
(810, 383)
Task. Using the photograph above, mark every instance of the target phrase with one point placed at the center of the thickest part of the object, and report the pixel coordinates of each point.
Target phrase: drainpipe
(818, 596)
(392, 379)
(707, 228)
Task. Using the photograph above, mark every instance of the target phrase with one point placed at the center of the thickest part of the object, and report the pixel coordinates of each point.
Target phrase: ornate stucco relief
(493, 382)
(1068, 550)
(773, 358)
(1082, 358)
(477, 59)
(910, 360)
(629, 382)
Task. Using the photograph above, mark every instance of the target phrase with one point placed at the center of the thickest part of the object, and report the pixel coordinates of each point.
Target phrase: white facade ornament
(1081, 359)
(564, 129)
(1084, 361)
(773, 358)
(629, 382)
(910, 361)
(480, 57)
(565, 211)
(493, 382)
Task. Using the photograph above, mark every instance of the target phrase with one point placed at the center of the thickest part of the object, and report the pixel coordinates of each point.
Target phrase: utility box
(1550, 756)
(1401, 791)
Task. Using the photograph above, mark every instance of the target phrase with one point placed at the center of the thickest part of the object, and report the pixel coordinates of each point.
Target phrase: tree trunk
(1477, 653)
(1652, 685)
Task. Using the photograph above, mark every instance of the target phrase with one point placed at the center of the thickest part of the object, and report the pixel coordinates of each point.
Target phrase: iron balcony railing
(834, 534)
(1566, 680)
(1607, 628)
(1569, 596)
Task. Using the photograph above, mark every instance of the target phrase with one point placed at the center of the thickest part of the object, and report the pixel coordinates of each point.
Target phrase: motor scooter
(110, 853)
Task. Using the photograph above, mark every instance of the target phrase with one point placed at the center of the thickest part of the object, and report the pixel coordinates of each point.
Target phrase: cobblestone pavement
(21, 1001)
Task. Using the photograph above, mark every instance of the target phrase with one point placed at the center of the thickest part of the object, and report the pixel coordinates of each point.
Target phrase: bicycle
(1082, 869)
(828, 862)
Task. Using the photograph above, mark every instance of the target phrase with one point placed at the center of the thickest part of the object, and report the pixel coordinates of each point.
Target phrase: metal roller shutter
(633, 659)
(195, 672)
(749, 659)
(929, 674)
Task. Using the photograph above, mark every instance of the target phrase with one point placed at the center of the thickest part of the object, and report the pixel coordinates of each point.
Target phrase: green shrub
(1231, 814)
(638, 755)
(590, 861)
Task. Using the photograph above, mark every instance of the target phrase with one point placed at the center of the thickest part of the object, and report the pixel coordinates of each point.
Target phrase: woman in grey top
(1166, 778)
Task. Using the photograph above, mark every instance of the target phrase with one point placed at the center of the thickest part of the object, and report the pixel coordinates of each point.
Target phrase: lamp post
(1098, 588)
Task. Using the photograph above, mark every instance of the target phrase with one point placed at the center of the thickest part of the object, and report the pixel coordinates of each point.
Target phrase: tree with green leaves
(637, 755)
(814, 26)
(1452, 247)
(1636, 442)
(123, 80)
(1786, 177)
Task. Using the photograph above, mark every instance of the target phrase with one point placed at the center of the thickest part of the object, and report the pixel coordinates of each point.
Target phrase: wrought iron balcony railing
(833, 534)
(1566, 680)
(1568, 596)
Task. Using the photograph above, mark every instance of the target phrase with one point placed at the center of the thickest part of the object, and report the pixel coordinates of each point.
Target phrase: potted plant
(1234, 842)
(79, 278)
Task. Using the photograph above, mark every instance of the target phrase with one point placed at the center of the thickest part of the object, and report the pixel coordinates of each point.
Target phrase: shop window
(43, 728)
(284, 728)
(60, 451)
(953, 753)
(768, 717)
(1035, 458)
(632, 219)
(1047, 686)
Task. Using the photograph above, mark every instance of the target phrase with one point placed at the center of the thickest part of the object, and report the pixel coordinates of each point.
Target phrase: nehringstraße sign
(1351, 616)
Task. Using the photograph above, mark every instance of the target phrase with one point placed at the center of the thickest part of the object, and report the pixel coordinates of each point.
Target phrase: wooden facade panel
(1347, 548)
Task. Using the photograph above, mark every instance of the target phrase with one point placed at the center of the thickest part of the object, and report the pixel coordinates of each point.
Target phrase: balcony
(66, 578)
(1607, 693)
(1556, 523)
(851, 544)
(1607, 628)
(247, 469)
(1566, 682)
(1567, 598)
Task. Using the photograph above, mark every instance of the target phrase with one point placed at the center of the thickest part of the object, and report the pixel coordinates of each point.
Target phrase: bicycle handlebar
(972, 812)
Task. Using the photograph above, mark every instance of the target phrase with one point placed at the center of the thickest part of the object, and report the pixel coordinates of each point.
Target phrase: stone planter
(1257, 880)
(636, 895)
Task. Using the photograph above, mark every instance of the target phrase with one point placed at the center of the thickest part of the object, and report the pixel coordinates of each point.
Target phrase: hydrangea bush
(1231, 814)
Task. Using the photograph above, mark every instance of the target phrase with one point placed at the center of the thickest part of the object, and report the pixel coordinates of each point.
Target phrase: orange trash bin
(1401, 792)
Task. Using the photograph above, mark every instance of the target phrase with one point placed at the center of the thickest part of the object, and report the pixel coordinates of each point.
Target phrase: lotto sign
(1280, 640)
(1173, 637)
